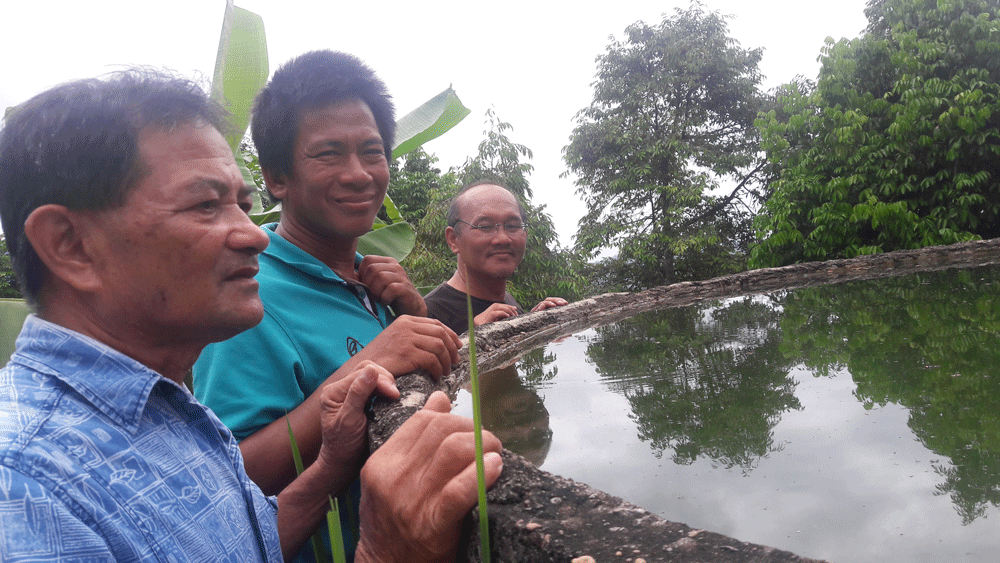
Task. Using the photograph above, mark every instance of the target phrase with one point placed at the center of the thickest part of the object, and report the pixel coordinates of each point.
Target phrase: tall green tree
(898, 145)
(671, 123)
(424, 193)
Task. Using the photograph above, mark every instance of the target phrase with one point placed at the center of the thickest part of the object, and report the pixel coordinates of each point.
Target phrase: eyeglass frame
(493, 228)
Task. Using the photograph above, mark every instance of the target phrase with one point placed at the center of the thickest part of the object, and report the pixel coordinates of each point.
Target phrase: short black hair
(313, 80)
(77, 145)
(454, 214)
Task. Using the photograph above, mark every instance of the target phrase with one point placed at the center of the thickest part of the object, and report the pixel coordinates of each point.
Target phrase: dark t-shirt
(447, 304)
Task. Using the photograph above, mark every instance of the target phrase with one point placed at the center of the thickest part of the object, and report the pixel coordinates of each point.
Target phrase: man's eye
(210, 205)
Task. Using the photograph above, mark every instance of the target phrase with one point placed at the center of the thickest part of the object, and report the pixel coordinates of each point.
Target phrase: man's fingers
(354, 390)
(361, 389)
(548, 303)
(437, 402)
(457, 450)
(496, 312)
(461, 493)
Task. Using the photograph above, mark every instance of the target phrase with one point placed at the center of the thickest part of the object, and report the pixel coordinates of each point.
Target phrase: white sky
(532, 61)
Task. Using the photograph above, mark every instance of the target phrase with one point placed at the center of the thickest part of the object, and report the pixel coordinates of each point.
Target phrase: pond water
(855, 422)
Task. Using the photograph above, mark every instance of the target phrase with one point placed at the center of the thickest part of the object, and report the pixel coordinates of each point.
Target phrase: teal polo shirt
(314, 321)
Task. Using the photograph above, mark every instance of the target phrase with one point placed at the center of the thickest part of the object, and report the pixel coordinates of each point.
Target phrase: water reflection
(928, 342)
(852, 422)
(701, 381)
(513, 410)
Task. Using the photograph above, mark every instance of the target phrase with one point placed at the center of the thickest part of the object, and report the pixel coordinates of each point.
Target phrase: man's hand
(412, 343)
(420, 484)
(302, 504)
(495, 312)
(548, 303)
(342, 417)
(389, 284)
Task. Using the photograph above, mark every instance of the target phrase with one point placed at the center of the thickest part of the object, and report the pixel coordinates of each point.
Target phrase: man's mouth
(246, 272)
(360, 199)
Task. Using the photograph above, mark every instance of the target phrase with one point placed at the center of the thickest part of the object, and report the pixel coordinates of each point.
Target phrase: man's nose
(354, 171)
(246, 235)
(501, 234)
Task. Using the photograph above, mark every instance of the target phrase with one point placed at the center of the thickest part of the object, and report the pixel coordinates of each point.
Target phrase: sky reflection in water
(748, 417)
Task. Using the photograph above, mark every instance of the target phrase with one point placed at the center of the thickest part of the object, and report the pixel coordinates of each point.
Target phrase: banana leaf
(241, 70)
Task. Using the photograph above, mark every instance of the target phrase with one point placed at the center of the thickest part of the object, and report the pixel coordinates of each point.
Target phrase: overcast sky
(532, 61)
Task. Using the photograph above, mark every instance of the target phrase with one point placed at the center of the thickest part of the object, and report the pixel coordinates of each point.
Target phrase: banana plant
(241, 70)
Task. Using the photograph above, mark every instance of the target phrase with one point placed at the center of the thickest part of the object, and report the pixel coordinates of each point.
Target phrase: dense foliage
(8, 281)
(671, 120)
(898, 144)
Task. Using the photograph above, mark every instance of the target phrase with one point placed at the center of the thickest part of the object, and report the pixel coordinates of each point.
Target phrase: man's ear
(58, 236)
(277, 184)
(451, 236)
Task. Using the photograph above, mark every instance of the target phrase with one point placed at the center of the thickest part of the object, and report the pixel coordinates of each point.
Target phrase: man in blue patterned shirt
(125, 216)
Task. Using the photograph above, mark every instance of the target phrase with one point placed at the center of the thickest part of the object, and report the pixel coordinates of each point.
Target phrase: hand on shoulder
(390, 284)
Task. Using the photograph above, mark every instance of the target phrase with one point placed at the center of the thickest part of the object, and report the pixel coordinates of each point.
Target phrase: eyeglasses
(510, 227)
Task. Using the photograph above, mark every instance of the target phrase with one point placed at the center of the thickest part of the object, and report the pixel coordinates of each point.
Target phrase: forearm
(267, 453)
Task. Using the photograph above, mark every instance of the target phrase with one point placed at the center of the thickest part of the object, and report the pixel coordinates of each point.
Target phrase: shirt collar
(117, 386)
(286, 252)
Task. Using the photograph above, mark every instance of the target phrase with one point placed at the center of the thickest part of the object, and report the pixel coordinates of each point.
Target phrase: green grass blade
(317, 542)
(484, 523)
(295, 449)
(336, 536)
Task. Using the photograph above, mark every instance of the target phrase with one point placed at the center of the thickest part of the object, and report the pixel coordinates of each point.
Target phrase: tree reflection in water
(928, 342)
(701, 381)
(713, 381)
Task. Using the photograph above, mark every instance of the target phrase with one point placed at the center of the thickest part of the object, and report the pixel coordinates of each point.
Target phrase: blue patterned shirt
(103, 459)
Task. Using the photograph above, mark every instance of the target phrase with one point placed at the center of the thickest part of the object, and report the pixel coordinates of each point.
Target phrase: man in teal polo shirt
(323, 128)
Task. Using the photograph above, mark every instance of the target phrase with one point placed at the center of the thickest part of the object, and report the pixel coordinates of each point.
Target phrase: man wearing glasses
(487, 232)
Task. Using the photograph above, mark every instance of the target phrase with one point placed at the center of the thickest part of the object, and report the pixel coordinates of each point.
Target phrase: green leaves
(477, 418)
(241, 70)
(429, 121)
(902, 127)
(394, 240)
